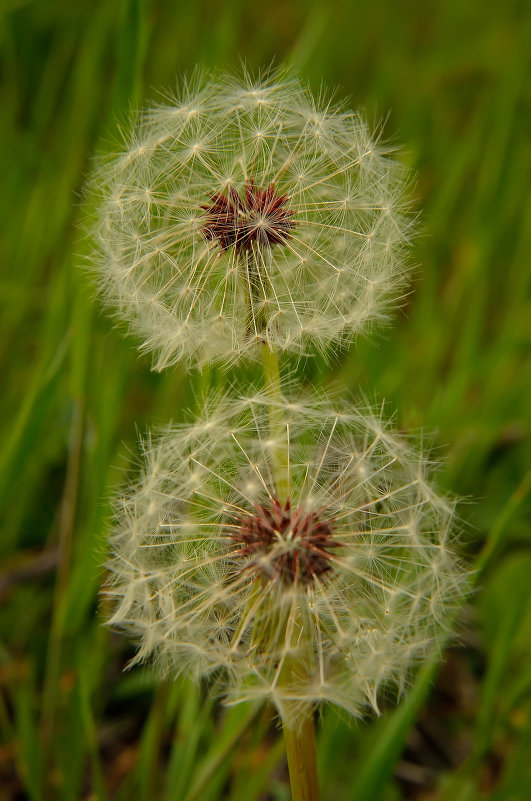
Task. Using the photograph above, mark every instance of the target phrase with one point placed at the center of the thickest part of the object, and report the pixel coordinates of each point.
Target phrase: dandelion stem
(271, 372)
(256, 288)
(278, 428)
(300, 750)
(300, 739)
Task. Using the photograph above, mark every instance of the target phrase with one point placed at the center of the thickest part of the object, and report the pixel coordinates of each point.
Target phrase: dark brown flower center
(259, 216)
(283, 543)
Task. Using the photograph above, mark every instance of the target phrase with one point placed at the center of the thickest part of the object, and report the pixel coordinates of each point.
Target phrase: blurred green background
(451, 81)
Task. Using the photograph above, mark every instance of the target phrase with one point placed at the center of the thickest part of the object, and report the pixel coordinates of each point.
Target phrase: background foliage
(453, 75)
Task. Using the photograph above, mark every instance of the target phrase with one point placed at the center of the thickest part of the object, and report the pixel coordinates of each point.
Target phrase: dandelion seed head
(244, 210)
(288, 545)
(329, 594)
(260, 218)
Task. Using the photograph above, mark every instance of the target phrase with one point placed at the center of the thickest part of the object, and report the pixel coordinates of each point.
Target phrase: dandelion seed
(243, 212)
(329, 591)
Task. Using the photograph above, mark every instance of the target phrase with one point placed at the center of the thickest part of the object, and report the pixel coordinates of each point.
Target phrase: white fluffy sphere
(244, 211)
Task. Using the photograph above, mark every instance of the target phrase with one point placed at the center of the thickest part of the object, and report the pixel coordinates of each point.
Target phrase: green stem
(300, 750)
(278, 427)
(300, 739)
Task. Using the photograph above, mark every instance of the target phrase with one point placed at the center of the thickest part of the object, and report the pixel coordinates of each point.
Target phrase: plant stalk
(278, 426)
(299, 740)
(300, 750)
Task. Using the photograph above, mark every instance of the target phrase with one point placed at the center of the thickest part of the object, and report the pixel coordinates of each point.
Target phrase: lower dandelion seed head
(294, 546)
(326, 578)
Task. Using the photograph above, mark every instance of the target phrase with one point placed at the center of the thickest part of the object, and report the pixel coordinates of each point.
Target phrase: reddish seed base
(308, 541)
(261, 216)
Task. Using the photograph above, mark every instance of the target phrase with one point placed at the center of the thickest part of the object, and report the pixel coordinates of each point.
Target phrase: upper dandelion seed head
(260, 217)
(235, 172)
